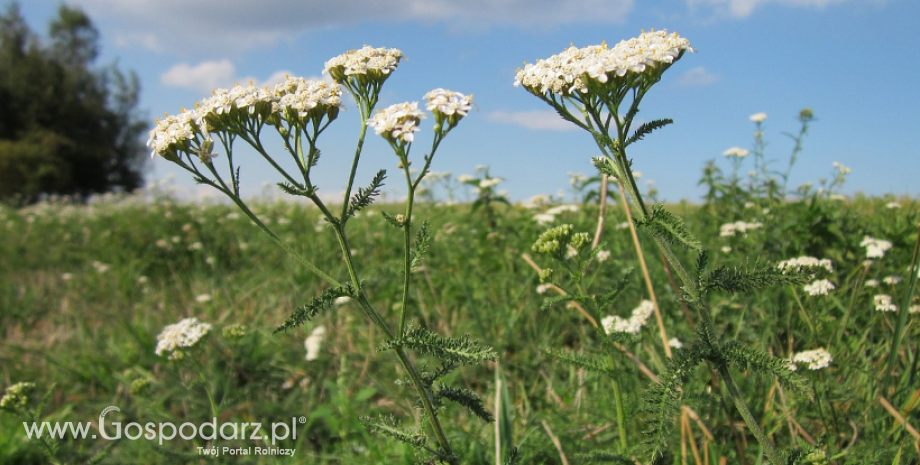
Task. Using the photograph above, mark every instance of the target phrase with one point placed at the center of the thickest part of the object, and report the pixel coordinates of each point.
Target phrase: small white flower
(875, 248)
(675, 343)
(603, 255)
(640, 315)
(182, 334)
(883, 303)
(491, 182)
(758, 117)
(805, 261)
(914, 309)
(737, 152)
(397, 122)
(892, 205)
(816, 359)
(202, 298)
(313, 342)
(339, 301)
(67, 276)
(843, 170)
(542, 288)
(893, 280)
(819, 287)
(726, 249)
(871, 283)
(543, 219)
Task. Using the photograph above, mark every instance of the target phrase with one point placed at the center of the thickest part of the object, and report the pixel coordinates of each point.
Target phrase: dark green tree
(66, 127)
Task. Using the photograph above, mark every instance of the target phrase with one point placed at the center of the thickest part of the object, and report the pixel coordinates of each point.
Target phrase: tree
(65, 127)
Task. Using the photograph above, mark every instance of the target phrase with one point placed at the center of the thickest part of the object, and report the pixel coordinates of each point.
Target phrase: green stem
(621, 412)
(735, 394)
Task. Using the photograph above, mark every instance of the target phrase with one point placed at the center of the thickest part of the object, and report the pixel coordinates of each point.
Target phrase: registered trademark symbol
(302, 420)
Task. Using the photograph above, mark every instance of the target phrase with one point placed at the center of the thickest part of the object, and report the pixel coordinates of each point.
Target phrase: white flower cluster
(314, 342)
(640, 315)
(816, 359)
(883, 303)
(182, 334)
(842, 170)
(730, 229)
(759, 117)
(805, 261)
(819, 287)
(875, 248)
(308, 98)
(736, 152)
(447, 105)
(370, 61)
(296, 99)
(397, 122)
(550, 215)
(571, 70)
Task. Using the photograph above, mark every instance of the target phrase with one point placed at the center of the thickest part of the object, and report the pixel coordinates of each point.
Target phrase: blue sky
(854, 62)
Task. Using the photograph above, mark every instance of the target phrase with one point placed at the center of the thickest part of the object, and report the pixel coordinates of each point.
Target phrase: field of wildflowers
(764, 324)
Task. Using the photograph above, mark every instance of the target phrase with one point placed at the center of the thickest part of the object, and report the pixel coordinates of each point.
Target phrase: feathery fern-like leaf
(580, 361)
(752, 359)
(647, 128)
(387, 425)
(316, 305)
(420, 248)
(669, 228)
(365, 195)
(748, 279)
(466, 398)
(457, 350)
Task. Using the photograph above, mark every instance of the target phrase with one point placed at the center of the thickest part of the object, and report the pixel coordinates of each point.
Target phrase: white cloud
(744, 8)
(211, 26)
(541, 120)
(698, 77)
(209, 75)
(203, 77)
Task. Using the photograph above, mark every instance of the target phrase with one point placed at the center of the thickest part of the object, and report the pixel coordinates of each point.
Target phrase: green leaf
(466, 398)
(744, 279)
(669, 227)
(460, 351)
(387, 425)
(316, 305)
(297, 189)
(750, 359)
(581, 361)
(647, 128)
(420, 248)
(365, 196)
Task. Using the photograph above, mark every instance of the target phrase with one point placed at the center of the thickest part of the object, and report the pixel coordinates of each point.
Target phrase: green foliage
(750, 278)
(647, 128)
(466, 398)
(451, 350)
(65, 127)
(316, 306)
(365, 196)
(669, 228)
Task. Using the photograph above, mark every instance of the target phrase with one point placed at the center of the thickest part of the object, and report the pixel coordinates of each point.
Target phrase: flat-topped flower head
(302, 99)
(364, 65)
(736, 152)
(578, 69)
(184, 334)
(397, 123)
(448, 106)
(816, 359)
(819, 287)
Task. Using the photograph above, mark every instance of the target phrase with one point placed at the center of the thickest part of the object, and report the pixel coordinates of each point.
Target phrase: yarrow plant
(599, 89)
(176, 338)
(298, 111)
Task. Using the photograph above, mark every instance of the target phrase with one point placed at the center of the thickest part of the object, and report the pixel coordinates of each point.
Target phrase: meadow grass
(85, 289)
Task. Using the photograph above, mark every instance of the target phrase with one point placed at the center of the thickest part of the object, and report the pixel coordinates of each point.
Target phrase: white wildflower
(339, 301)
(737, 152)
(726, 249)
(819, 287)
(491, 182)
(640, 315)
(313, 342)
(397, 123)
(758, 117)
(374, 63)
(542, 288)
(883, 303)
(202, 298)
(180, 335)
(675, 343)
(729, 229)
(871, 283)
(543, 219)
(447, 105)
(570, 71)
(843, 170)
(875, 248)
(816, 359)
(67, 276)
(914, 309)
(893, 280)
(892, 205)
(603, 255)
(805, 261)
